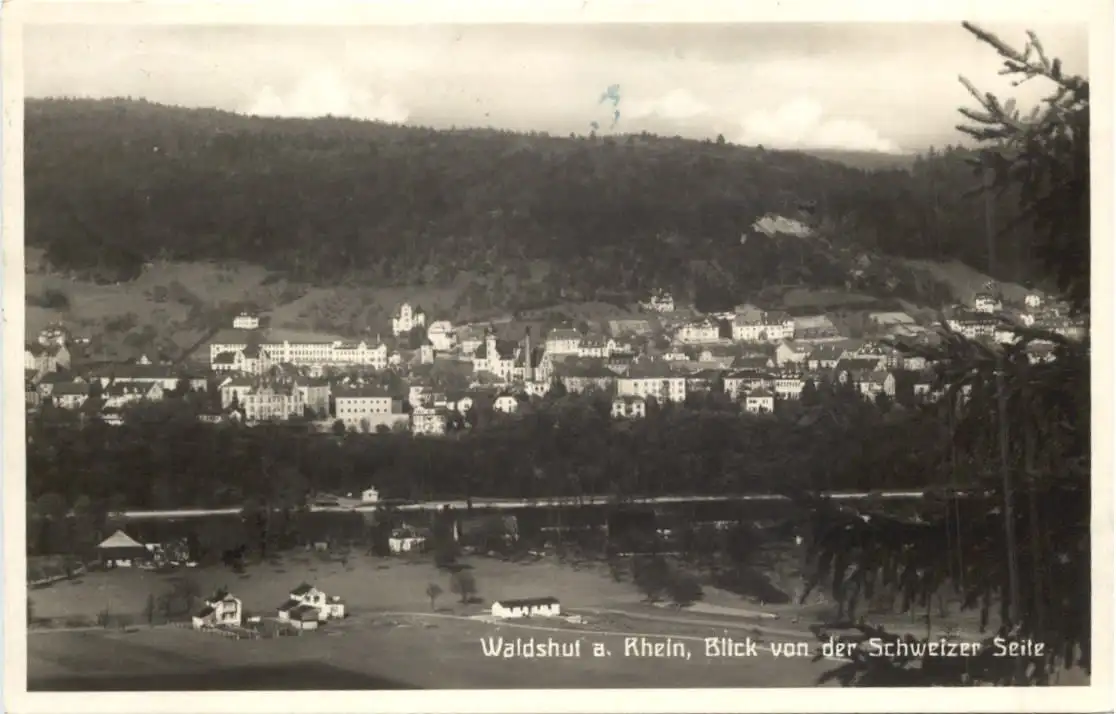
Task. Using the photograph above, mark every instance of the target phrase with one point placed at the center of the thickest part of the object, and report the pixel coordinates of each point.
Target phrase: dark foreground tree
(1010, 529)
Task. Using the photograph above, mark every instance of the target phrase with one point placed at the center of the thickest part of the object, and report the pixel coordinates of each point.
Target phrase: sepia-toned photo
(558, 355)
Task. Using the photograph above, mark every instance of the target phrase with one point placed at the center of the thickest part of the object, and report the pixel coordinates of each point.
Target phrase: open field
(965, 281)
(389, 652)
(366, 583)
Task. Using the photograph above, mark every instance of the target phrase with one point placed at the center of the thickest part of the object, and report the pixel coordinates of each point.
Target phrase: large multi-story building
(224, 355)
(366, 408)
(272, 403)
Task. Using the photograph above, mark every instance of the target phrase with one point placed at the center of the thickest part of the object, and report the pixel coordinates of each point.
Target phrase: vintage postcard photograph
(703, 362)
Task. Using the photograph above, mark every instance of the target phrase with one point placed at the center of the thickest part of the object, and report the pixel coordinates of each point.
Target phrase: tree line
(564, 445)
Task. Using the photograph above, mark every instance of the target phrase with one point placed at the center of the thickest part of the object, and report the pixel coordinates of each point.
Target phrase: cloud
(677, 105)
(325, 93)
(802, 124)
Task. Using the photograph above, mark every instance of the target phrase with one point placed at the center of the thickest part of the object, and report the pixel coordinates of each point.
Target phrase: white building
(407, 318)
(268, 403)
(527, 607)
(661, 301)
(220, 610)
(257, 358)
(563, 342)
(760, 401)
(307, 596)
(987, 303)
(768, 327)
(652, 380)
(698, 332)
(1033, 301)
(246, 321)
(506, 403)
(442, 335)
(629, 407)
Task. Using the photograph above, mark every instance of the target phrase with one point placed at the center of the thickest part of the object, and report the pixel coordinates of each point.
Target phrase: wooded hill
(111, 184)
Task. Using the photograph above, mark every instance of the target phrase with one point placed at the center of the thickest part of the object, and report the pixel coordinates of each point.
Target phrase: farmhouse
(306, 600)
(527, 607)
(441, 335)
(221, 610)
(120, 550)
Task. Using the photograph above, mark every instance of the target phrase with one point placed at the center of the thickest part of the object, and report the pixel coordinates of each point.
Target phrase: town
(666, 352)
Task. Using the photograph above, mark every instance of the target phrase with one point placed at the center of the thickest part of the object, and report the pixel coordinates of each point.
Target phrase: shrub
(464, 584)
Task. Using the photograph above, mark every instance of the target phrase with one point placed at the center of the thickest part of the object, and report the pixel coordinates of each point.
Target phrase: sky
(858, 87)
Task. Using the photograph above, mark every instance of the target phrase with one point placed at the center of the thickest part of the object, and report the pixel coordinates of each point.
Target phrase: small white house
(221, 610)
(527, 607)
(369, 495)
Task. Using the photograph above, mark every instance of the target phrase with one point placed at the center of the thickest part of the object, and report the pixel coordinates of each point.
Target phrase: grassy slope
(343, 310)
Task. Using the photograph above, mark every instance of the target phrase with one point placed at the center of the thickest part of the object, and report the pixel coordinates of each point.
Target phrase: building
(767, 327)
(312, 601)
(973, 325)
(563, 342)
(246, 321)
(496, 356)
(579, 375)
(527, 607)
(407, 318)
(699, 332)
(233, 390)
(506, 403)
(117, 395)
(594, 347)
(629, 407)
(369, 495)
(45, 358)
(983, 302)
(760, 401)
(823, 357)
(653, 380)
(789, 386)
(442, 335)
(221, 610)
(790, 352)
(429, 420)
(223, 354)
(69, 395)
(120, 550)
(743, 382)
(272, 403)
(314, 393)
(366, 408)
(1033, 301)
(660, 301)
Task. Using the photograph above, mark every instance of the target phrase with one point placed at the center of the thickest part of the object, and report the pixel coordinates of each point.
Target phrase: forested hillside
(113, 183)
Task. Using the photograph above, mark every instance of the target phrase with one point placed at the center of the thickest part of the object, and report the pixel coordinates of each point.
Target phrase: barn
(120, 550)
(527, 607)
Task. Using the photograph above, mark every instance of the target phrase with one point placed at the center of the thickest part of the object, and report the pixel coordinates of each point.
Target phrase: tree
(684, 589)
(433, 590)
(338, 428)
(463, 583)
(149, 609)
(1010, 531)
(1045, 155)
